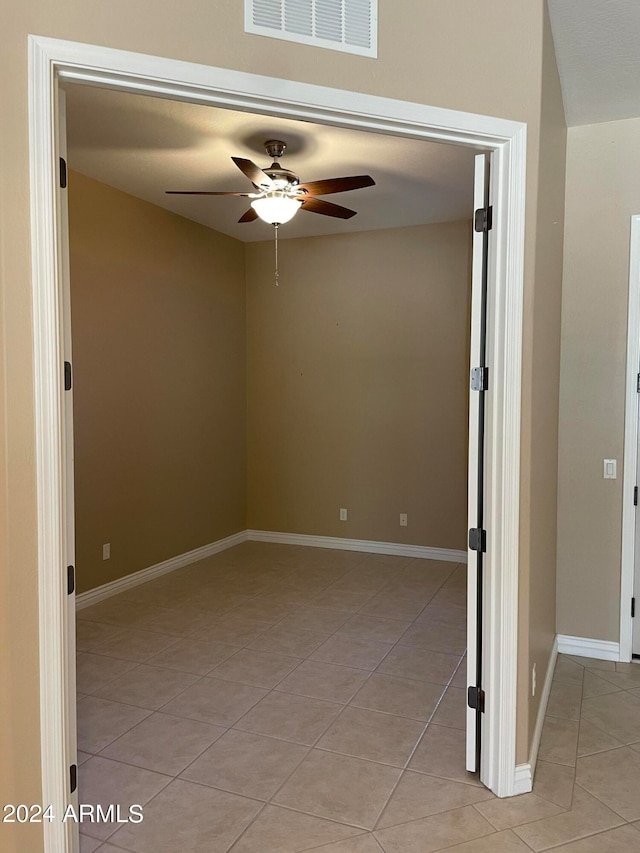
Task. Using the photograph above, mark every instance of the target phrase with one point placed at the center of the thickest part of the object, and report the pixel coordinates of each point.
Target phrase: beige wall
(603, 192)
(482, 57)
(158, 310)
(358, 384)
(541, 410)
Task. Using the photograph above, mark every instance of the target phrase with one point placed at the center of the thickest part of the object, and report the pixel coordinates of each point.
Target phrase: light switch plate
(610, 469)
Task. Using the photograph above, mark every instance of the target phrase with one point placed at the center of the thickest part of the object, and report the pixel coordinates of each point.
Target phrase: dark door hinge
(480, 379)
(73, 777)
(71, 579)
(633, 607)
(67, 376)
(477, 539)
(635, 496)
(475, 699)
(483, 219)
(63, 173)
(638, 384)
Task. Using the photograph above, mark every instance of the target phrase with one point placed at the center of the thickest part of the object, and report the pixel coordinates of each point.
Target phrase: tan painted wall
(603, 192)
(482, 57)
(158, 312)
(358, 384)
(540, 487)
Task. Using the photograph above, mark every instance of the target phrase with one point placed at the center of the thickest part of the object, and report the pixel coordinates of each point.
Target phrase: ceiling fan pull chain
(277, 272)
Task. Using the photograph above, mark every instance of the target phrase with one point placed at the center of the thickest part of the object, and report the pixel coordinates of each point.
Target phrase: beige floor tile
(452, 615)
(452, 710)
(90, 635)
(594, 685)
(82, 757)
(269, 608)
(624, 679)
(324, 681)
(190, 819)
(340, 788)
(115, 612)
(514, 811)
(89, 845)
(105, 782)
(501, 842)
(96, 671)
(618, 714)
(419, 796)
(288, 641)
(403, 696)
(592, 739)
(290, 717)
(587, 816)
(360, 844)
(565, 701)
(390, 606)
(559, 742)
(592, 663)
(554, 782)
(460, 678)
(620, 840)
(422, 664)
(182, 622)
(320, 620)
(436, 637)
(233, 631)
(248, 764)
(614, 778)
(351, 651)
(372, 735)
(163, 743)
(100, 722)
(568, 671)
(136, 645)
(147, 686)
(442, 753)
(340, 599)
(374, 628)
(260, 669)
(194, 656)
(435, 833)
(280, 830)
(215, 701)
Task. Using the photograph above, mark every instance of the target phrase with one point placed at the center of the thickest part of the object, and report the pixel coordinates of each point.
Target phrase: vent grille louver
(346, 25)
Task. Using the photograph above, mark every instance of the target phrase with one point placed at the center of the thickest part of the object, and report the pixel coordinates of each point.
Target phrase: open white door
(479, 377)
(69, 626)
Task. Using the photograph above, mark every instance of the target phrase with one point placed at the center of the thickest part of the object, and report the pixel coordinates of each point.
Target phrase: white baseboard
(524, 773)
(584, 647)
(396, 549)
(93, 596)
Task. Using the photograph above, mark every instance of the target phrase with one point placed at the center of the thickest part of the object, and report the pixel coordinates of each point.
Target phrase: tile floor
(278, 699)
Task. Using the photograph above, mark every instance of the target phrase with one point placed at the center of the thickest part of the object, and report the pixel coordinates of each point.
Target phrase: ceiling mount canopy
(278, 193)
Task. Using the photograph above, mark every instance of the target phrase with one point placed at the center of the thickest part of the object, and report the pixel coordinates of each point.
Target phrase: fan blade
(257, 177)
(338, 185)
(204, 192)
(249, 216)
(316, 205)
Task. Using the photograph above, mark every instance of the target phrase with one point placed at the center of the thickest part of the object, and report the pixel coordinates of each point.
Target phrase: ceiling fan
(279, 194)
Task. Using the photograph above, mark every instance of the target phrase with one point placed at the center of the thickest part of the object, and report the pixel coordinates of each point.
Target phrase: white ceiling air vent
(347, 25)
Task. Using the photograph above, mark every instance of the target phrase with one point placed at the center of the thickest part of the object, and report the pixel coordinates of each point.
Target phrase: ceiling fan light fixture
(276, 208)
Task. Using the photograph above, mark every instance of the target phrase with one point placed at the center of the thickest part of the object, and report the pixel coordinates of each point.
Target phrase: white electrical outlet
(343, 514)
(533, 681)
(403, 519)
(106, 551)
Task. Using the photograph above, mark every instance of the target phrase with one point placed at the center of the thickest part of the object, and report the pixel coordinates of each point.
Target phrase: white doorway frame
(630, 475)
(51, 60)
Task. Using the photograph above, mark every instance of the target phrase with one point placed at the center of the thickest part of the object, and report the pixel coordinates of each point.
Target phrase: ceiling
(144, 146)
(598, 53)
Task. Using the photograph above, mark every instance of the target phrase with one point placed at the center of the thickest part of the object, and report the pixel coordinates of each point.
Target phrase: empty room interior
(297, 426)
